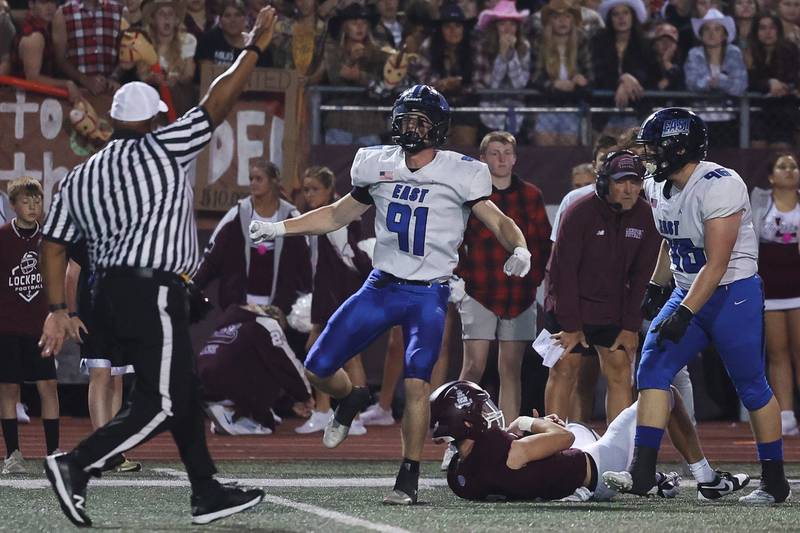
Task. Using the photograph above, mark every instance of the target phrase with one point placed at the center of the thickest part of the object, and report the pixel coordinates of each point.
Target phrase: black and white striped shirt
(132, 200)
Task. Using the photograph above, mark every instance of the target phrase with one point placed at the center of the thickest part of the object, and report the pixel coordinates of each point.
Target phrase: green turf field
(346, 496)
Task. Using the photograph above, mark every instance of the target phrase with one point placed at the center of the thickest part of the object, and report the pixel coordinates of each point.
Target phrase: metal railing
(700, 103)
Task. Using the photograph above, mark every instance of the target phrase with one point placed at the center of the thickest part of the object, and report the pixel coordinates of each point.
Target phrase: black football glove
(654, 299)
(674, 326)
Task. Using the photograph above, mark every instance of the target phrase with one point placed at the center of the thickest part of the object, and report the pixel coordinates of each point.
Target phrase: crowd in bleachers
(564, 49)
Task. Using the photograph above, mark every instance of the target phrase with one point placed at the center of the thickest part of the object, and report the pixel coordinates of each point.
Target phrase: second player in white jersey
(420, 215)
(712, 191)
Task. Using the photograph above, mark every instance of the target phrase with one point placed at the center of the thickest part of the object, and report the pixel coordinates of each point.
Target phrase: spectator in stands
(601, 263)
(774, 71)
(417, 25)
(23, 307)
(669, 58)
(252, 7)
(582, 175)
(223, 43)
(502, 61)
(563, 71)
(86, 36)
(589, 21)
(389, 27)
(744, 11)
(199, 18)
(245, 366)
(271, 273)
(7, 34)
(445, 63)
(497, 307)
(789, 12)
(33, 47)
(776, 217)
(352, 58)
(716, 66)
(133, 14)
(621, 56)
(340, 267)
(469, 8)
(299, 42)
(175, 48)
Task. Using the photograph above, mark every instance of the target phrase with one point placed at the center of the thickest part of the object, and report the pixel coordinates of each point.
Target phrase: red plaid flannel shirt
(482, 255)
(93, 36)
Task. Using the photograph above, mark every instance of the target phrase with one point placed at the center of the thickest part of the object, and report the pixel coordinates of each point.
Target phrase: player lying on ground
(534, 459)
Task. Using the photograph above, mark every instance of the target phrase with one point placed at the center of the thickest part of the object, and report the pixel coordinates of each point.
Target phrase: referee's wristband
(254, 48)
(56, 307)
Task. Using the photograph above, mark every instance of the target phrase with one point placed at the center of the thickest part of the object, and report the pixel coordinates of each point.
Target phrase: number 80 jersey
(711, 192)
(420, 216)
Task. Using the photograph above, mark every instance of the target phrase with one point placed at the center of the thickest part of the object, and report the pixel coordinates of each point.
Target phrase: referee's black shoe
(222, 501)
(69, 483)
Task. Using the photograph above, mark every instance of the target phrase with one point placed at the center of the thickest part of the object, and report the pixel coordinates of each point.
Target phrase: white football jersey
(712, 191)
(420, 216)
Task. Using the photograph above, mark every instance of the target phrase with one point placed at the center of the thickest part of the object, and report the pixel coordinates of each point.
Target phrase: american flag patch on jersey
(386, 175)
(653, 203)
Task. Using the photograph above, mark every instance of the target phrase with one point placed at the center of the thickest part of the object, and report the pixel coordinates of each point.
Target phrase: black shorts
(21, 360)
(595, 335)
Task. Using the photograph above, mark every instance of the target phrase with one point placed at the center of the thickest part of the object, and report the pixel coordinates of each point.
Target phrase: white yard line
(334, 515)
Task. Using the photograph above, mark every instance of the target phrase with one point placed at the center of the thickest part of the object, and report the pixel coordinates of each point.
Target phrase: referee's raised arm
(225, 90)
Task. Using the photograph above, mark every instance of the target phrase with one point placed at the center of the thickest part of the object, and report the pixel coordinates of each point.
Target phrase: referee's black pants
(145, 322)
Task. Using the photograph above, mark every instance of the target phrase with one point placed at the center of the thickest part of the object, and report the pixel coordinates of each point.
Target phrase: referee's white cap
(136, 101)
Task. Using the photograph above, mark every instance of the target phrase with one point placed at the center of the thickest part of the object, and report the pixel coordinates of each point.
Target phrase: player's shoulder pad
(369, 161)
(718, 172)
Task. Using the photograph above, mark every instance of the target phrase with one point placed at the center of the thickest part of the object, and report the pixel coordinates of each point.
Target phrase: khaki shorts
(479, 323)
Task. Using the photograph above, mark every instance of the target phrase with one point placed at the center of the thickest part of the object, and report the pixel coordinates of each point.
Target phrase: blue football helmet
(672, 137)
(427, 101)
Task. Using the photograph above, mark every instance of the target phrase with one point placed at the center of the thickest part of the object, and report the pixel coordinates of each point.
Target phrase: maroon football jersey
(23, 306)
(484, 472)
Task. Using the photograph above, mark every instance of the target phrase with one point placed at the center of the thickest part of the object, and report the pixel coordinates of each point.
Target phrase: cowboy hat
(715, 16)
(353, 11)
(637, 6)
(554, 7)
(451, 12)
(150, 7)
(504, 10)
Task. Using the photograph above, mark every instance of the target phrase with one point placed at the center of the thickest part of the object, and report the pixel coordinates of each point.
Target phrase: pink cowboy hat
(504, 10)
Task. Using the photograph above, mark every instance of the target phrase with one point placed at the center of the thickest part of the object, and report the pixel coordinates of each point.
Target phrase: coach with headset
(601, 262)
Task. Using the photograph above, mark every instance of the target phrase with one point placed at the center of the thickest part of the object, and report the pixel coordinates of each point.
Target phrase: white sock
(702, 471)
(788, 419)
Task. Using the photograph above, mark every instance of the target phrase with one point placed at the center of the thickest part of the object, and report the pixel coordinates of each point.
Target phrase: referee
(133, 203)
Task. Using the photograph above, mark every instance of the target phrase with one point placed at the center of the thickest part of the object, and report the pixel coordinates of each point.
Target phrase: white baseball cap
(136, 101)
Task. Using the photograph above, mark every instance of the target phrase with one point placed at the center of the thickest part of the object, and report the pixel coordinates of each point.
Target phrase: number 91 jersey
(711, 192)
(420, 216)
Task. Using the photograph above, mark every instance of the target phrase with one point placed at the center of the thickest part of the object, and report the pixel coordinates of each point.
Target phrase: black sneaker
(723, 484)
(69, 483)
(222, 501)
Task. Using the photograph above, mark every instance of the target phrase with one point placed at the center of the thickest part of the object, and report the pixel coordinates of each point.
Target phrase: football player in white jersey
(423, 197)
(702, 210)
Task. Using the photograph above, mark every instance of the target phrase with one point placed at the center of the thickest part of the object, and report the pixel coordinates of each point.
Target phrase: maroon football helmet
(458, 402)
